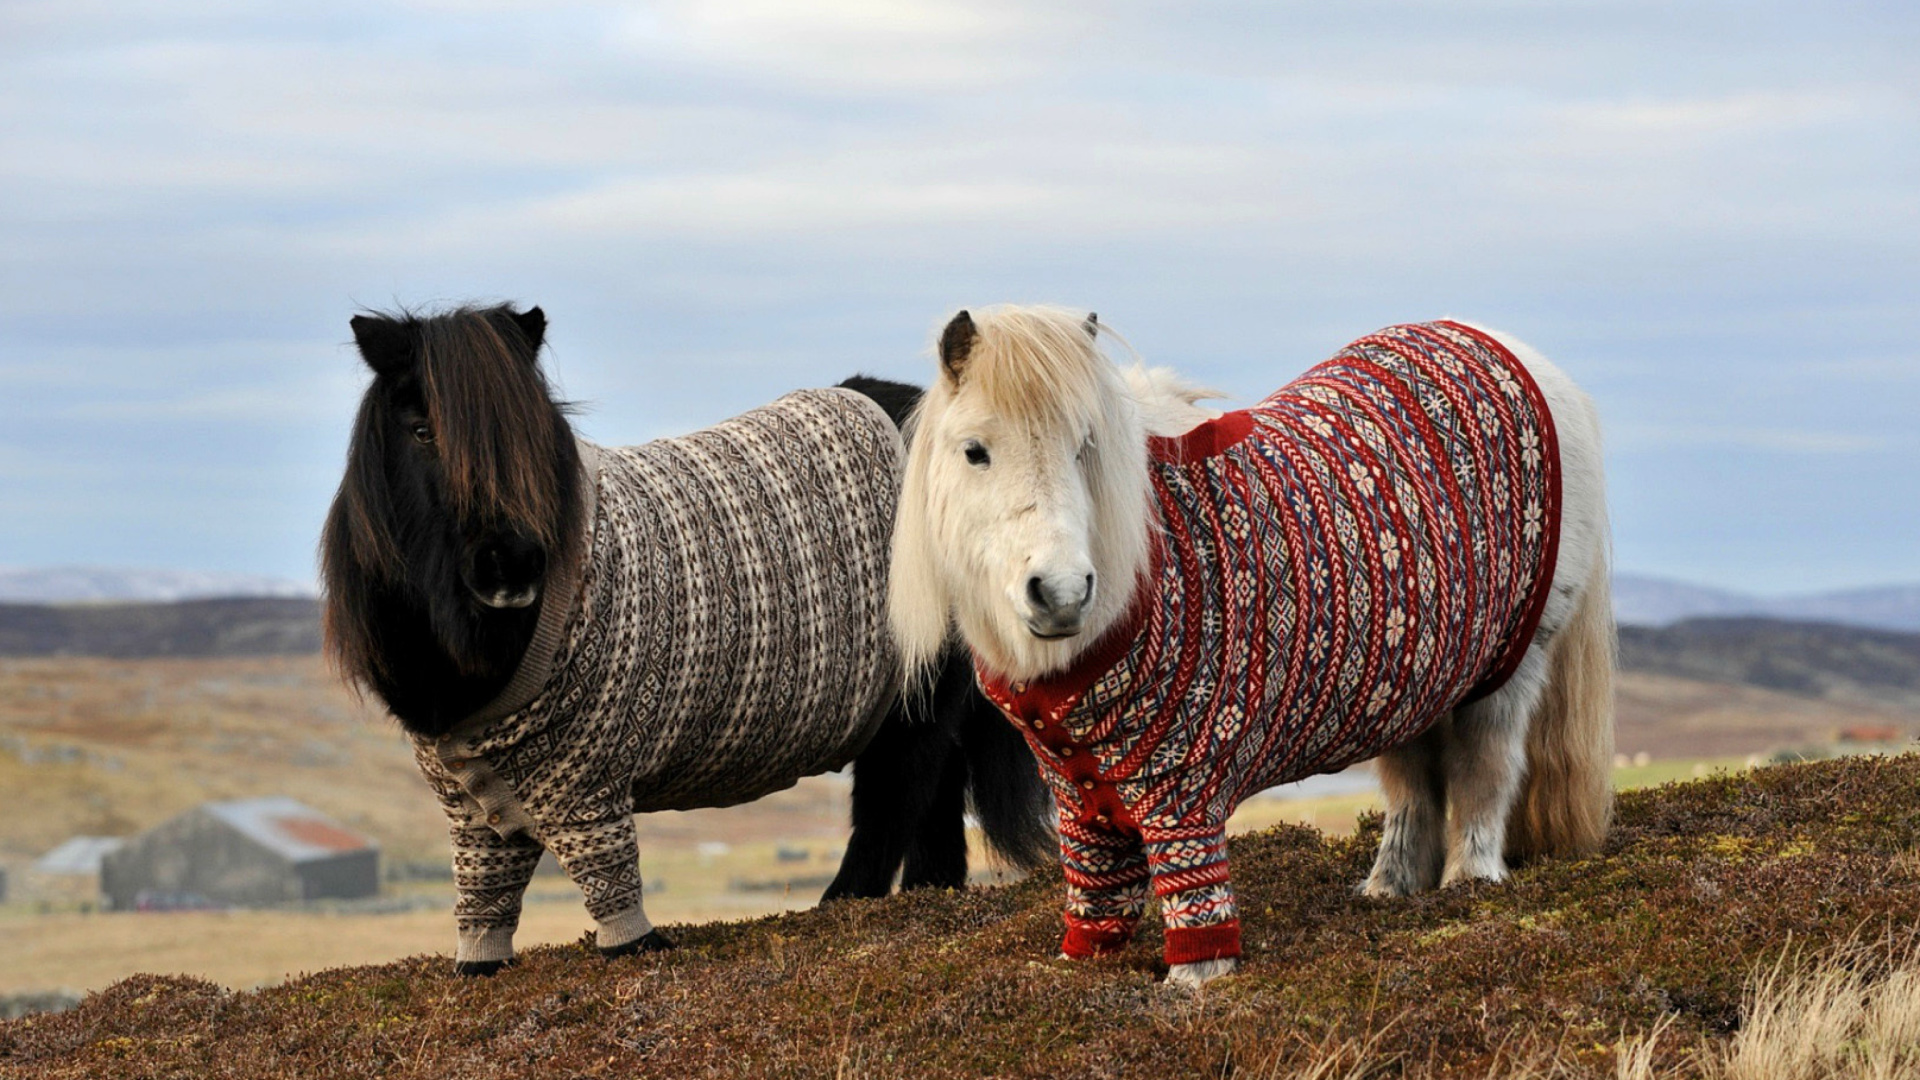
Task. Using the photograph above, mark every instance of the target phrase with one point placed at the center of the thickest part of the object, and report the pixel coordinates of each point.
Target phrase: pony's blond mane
(1039, 370)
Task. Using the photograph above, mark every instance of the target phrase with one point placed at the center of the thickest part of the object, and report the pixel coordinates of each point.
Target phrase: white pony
(1400, 554)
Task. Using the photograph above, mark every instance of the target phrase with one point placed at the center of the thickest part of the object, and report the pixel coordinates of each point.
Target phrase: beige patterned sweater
(724, 636)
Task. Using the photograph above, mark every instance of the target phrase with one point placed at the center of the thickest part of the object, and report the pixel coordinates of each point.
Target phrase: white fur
(1195, 975)
(1168, 405)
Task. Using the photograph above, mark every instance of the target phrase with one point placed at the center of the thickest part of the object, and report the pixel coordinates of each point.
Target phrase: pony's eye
(977, 454)
(422, 433)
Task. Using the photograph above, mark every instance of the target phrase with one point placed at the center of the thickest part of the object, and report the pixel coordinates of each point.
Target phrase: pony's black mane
(501, 459)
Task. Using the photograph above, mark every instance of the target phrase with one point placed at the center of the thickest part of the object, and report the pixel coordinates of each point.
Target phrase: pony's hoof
(479, 969)
(1384, 887)
(651, 941)
(1462, 874)
(1194, 976)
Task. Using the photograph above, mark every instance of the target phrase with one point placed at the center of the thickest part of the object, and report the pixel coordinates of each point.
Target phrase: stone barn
(244, 853)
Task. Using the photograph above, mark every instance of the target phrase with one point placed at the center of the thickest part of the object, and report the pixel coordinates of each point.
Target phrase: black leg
(895, 781)
(937, 854)
(911, 770)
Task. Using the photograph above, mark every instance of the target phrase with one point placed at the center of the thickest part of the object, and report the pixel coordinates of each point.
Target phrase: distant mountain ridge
(233, 626)
(1639, 600)
(97, 584)
(1821, 660)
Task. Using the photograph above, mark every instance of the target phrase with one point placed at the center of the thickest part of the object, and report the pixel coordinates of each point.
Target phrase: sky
(1707, 213)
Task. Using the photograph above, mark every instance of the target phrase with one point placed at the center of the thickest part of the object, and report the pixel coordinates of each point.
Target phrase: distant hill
(1652, 601)
(87, 584)
(239, 626)
(1818, 660)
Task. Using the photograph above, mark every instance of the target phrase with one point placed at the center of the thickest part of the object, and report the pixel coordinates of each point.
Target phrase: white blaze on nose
(512, 598)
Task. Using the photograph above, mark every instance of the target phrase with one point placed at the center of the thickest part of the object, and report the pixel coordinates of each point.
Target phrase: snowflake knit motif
(1338, 567)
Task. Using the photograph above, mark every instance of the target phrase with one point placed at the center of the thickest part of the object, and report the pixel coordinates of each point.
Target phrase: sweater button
(1102, 819)
(493, 818)
(1086, 785)
(1038, 723)
(457, 764)
(1019, 688)
(1065, 751)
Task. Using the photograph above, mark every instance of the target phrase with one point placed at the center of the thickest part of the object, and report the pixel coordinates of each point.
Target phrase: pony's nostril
(1087, 594)
(1038, 594)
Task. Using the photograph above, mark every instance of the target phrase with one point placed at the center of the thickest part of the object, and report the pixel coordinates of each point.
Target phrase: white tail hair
(1567, 802)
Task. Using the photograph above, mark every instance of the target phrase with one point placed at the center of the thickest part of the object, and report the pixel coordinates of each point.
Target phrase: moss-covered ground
(1700, 883)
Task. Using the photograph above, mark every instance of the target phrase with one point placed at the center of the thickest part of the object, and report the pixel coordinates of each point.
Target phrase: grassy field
(1748, 925)
(111, 747)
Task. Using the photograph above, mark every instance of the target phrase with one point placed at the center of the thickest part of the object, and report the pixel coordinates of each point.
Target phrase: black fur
(399, 618)
(956, 345)
(651, 941)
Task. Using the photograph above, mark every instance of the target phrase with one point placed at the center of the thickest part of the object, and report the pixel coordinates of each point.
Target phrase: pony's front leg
(1190, 877)
(1106, 873)
(603, 859)
(490, 874)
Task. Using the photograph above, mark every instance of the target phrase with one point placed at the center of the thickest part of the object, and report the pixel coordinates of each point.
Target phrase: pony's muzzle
(1058, 606)
(504, 569)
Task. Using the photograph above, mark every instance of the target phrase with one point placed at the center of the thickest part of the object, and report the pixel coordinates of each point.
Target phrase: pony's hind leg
(937, 854)
(909, 792)
(1486, 761)
(1413, 844)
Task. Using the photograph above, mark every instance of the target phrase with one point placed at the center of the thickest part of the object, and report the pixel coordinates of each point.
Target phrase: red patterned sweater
(1340, 566)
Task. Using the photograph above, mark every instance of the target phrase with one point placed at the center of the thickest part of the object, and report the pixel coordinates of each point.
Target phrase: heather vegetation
(1755, 925)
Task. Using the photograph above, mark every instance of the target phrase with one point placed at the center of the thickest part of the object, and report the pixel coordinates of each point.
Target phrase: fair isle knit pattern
(1340, 566)
(725, 635)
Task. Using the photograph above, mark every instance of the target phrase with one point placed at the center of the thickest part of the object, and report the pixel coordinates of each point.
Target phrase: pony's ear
(1092, 324)
(533, 323)
(956, 344)
(386, 345)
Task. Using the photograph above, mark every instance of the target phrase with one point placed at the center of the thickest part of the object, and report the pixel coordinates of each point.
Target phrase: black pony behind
(463, 491)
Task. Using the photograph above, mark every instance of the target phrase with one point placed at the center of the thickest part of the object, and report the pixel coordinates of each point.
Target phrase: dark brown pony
(462, 490)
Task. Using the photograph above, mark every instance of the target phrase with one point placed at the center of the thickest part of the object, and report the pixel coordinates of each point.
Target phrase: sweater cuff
(1095, 937)
(617, 930)
(485, 945)
(1193, 944)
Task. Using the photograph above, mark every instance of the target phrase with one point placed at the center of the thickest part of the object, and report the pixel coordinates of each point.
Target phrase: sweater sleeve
(490, 874)
(1106, 874)
(603, 859)
(1190, 877)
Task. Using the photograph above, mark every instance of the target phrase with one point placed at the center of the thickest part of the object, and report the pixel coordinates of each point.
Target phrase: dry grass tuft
(1852, 1013)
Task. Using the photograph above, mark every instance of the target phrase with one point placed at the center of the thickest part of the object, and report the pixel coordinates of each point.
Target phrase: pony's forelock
(494, 421)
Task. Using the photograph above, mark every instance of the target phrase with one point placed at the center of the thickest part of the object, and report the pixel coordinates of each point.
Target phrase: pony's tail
(1567, 802)
(1004, 788)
